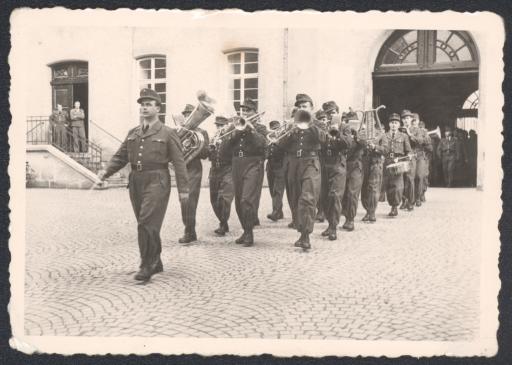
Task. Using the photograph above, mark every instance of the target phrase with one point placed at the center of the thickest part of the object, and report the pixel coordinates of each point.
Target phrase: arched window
(468, 115)
(243, 75)
(153, 75)
(427, 50)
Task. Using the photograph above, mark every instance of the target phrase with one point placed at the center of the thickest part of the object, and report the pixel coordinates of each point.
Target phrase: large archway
(430, 72)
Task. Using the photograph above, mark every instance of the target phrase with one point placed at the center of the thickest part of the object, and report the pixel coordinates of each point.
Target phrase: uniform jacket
(399, 144)
(448, 148)
(380, 142)
(340, 144)
(417, 138)
(159, 145)
(310, 139)
(219, 155)
(59, 117)
(248, 142)
(77, 117)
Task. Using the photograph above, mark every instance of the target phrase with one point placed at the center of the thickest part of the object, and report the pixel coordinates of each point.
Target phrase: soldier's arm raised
(381, 145)
(176, 156)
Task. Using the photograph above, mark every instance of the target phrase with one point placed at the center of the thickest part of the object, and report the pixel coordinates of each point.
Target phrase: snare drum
(398, 168)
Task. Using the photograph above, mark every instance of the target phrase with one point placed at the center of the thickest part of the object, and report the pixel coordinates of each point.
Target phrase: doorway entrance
(69, 84)
(431, 73)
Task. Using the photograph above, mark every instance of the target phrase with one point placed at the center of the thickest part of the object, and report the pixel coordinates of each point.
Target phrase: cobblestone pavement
(415, 277)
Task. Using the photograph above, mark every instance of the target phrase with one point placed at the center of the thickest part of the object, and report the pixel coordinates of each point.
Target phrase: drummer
(398, 147)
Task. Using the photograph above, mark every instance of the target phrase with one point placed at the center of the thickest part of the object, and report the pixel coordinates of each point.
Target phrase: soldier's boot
(305, 244)
(423, 198)
(273, 216)
(393, 212)
(320, 217)
(404, 203)
(223, 228)
(291, 225)
(257, 222)
(372, 218)
(301, 239)
(349, 225)
(410, 207)
(326, 232)
(189, 236)
(418, 203)
(332, 233)
(366, 218)
(144, 274)
(249, 239)
(346, 224)
(240, 239)
(280, 214)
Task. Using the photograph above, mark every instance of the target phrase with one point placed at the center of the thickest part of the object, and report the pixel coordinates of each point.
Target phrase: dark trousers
(149, 194)
(261, 176)
(421, 173)
(371, 183)
(332, 189)
(247, 181)
(188, 210)
(448, 169)
(353, 189)
(409, 178)
(221, 192)
(304, 181)
(321, 204)
(394, 187)
(286, 160)
(78, 137)
(60, 136)
(276, 184)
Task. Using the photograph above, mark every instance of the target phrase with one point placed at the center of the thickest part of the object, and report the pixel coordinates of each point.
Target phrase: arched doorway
(69, 84)
(430, 72)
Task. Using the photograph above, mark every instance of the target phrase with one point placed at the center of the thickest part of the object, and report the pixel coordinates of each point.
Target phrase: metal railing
(96, 125)
(41, 131)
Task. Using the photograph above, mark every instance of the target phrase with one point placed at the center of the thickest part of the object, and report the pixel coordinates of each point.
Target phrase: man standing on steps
(275, 176)
(149, 148)
(77, 116)
(221, 179)
(59, 124)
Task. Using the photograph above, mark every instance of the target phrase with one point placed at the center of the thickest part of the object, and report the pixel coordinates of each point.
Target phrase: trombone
(239, 124)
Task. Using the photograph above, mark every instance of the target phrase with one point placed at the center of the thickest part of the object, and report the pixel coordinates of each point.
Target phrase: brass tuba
(193, 142)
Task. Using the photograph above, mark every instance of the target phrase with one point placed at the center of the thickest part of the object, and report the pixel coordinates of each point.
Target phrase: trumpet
(409, 157)
(238, 124)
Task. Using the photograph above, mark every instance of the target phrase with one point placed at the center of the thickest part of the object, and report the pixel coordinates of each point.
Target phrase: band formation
(324, 161)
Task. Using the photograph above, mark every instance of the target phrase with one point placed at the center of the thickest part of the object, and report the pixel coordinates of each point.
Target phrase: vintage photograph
(217, 182)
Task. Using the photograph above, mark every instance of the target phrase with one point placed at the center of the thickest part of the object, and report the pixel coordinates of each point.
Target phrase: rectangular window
(243, 74)
(153, 75)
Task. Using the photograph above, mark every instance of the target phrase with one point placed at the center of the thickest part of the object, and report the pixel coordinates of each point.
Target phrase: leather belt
(245, 154)
(221, 164)
(304, 153)
(393, 155)
(148, 166)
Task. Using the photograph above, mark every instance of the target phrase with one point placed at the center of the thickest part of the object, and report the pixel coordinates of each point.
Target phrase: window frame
(242, 76)
(152, 81)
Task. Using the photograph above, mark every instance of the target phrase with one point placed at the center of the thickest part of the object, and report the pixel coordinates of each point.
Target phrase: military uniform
(262, 130)
(448, 154)
(149, 154)
(77, 117)
(372, 175)
(195, 175)
(425, 166)
(221, 183)
(59, 125)
(415, 140)
(248, 150)
(275, 177)
(303, 174)
(398, 146)
(419, 144)
(334, 153)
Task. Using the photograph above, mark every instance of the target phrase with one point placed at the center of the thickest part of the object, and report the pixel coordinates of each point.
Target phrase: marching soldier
(421, 150)
(447, 153)
(322, 122)
(249, 109)
(428, 157)
(59, 126)
(195, 175)
(275, 176)
(373, 171)
(398, 146)
(149, 148)
(247, 147)
(221, 179)
(302, 144)
(416, 139)
(77, 116)
(334, 155)
(287, 188)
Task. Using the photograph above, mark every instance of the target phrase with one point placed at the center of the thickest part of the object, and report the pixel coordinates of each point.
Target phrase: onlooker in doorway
(447, 152)
(59, 123)
(77, 116)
